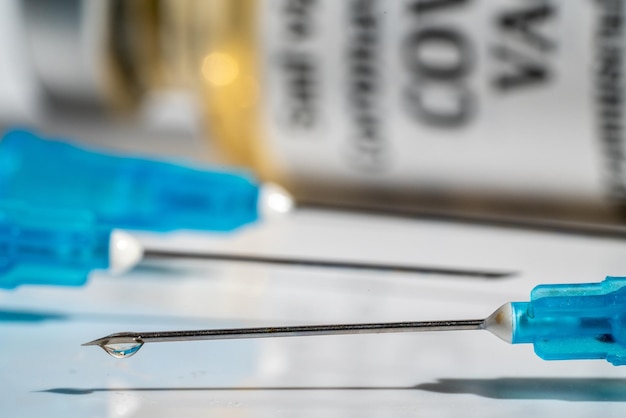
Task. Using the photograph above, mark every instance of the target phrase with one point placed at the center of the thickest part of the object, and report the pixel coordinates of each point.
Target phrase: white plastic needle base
(274, 201)
(125, 252)
(500, 323)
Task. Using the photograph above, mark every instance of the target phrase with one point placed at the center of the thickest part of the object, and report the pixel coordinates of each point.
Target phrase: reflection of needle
(559, 226)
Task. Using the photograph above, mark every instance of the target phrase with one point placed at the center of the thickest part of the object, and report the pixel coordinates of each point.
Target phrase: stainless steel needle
(326, 264)
(126, 344)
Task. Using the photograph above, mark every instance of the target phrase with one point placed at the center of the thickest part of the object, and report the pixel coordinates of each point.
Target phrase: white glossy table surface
(45, 371)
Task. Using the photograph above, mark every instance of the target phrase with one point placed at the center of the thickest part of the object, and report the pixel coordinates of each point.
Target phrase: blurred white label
(509, 96)
(20, 93)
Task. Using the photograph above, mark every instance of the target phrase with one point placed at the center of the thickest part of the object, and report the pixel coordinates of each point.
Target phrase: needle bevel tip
(99, 342)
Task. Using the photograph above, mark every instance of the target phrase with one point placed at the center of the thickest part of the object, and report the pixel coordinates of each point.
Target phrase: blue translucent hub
(129, 193)
(49, 247)
(575, 321)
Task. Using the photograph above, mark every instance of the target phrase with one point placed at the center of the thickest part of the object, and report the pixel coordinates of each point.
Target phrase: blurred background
(489, 109)
(62, 74)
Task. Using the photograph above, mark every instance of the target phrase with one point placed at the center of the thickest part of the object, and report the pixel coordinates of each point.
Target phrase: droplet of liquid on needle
(122, 350)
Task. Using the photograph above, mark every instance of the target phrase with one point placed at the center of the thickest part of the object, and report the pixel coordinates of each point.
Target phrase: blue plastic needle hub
(49, 247)
(575, 321)
(123, 192)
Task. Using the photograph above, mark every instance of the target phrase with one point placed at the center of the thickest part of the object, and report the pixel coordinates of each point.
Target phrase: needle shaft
(266, 259)
(288, 331)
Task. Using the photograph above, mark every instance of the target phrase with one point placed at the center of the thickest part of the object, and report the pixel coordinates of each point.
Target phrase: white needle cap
(274, 201)
(125, 252)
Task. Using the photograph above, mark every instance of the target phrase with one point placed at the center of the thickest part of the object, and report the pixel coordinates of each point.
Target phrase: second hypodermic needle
(56, 247)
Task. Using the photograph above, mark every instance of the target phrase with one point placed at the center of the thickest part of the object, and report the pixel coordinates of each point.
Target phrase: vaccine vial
(507, 107)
